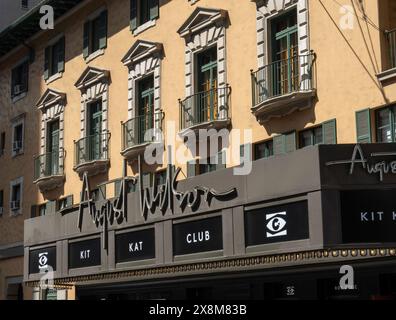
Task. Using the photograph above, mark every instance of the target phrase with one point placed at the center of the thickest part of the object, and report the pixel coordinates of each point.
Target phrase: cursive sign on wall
(369, 164)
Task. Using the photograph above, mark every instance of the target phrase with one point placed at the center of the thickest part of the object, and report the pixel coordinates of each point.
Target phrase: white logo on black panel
(276, 225)
(43, 260)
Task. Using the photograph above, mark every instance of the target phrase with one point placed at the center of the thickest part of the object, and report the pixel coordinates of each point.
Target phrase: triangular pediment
(49, 98)
(90, 76)
(141, 50)
(202, 18)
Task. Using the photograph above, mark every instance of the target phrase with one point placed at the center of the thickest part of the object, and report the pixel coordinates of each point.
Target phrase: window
(25, 4)
(19, 79)
(17, 138)
(385, 123)
(64, 203)
(143, 12)
(263, 150)
(54, 60)
(16, 196)
(1, 202)
(2, 143)
(311, 137)
(212, 164)
(95, 34)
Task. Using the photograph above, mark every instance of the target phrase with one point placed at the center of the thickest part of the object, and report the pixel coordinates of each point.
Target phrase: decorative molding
(203, 29)
(234, 264)
(192, 1)
(142, 59)
(270, 8)
(94, 85)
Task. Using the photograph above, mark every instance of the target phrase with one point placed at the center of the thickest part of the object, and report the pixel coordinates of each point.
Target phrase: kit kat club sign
(162, 198)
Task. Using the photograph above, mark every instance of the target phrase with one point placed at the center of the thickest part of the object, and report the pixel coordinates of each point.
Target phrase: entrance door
(145, 107)
(95, 130)
(206, 100)
(285, 66)
(52, 158)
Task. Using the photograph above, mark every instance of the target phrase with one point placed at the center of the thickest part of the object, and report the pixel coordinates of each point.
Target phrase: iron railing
(205, 107)
(92, 148)
(391, 36)
(142, 129)
(48, 165)
(283, 77)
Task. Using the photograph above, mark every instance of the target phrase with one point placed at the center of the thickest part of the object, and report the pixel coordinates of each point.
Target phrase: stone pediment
(202, 18)
(49, 98)
(142, 50)
(90, 76)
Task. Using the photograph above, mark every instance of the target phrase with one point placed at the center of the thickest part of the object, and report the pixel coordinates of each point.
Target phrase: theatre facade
(282, 232)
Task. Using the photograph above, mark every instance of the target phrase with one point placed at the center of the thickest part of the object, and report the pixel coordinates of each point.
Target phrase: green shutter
(279, 145)
(87, 31)
(117, 187)
(154, 9)
(61, 55)
(51, 207)
(103, 30)
(33, 211)
(133, 18)
(245, 149)
(69, 201)
(329, 132)
(363, 126)
(47, 54)
(290, 142)
(191, 168)
(221, 160)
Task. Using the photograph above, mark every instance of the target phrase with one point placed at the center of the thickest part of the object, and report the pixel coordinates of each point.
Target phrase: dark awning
(29, 24)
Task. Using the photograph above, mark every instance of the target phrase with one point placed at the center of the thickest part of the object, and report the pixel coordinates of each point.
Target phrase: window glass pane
(144, 11)
(306, 138)
(263, 150)
(384, 126)
(42, 210)
(95, 34)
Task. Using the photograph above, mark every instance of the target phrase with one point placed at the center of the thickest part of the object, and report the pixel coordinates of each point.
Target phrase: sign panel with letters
(84, 254)
(282, 223)
(198, 236)
(368, 216)
(42, 260)
(135, 246)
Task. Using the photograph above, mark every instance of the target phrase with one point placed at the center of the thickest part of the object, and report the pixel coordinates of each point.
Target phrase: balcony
(205, 110)
(48, 171)
(283, 87)
(92, 154)
(139, 132)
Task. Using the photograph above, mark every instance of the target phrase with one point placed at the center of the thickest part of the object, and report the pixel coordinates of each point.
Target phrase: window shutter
(25, 76)
(147, 180)
(363, 126)
(191, 168)
(290, 142)
(47, 62)
(154, 9)
(221, 160)
(61, 55)
(69, 201)
(87, 31)
(33, 211)
(279, 145)
(133, 18)
(103, 30)
(117, 188)
(245, 149)
(102, 192)
(13, 79)
(329, 132)
(51, 207)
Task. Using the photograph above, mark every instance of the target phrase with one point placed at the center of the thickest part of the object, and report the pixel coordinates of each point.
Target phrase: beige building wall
(347, 63)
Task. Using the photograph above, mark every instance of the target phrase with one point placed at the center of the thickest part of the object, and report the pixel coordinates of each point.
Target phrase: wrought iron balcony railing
(391, 35)
(92, 148)
(48, 165)
(205, 107)
(283, 77)
(141, 130)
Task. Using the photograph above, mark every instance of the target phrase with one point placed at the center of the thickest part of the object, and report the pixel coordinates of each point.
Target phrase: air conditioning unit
(1, 211)
(15, 205)
(17, 146)
(17, 89)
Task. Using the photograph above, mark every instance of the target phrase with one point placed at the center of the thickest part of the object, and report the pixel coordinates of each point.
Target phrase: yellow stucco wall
(347, 64)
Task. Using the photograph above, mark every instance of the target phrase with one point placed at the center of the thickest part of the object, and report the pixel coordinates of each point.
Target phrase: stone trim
(207, 33)
(269, 9)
